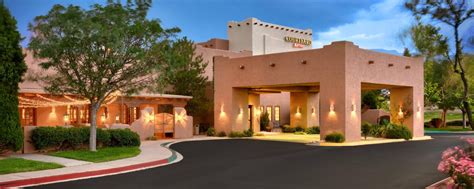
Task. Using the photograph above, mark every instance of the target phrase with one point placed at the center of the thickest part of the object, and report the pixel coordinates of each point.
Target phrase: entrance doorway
(250, 116)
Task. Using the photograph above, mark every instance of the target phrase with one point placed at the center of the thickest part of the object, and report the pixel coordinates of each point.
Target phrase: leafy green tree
(406, 52)
(12, 68)
(184, 75)
(453, 13)
(97, 52)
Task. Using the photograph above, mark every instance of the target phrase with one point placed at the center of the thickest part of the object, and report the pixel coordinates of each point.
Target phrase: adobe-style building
(324, 84)
(148, 114)
(265, 67)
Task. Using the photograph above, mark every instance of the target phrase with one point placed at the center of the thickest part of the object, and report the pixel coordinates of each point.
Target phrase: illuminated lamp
(66, 119)
(298, 110)
(353, 107)
(241, 111)
(102, 118)
(117, 118)
(331, 108)
(400, 112)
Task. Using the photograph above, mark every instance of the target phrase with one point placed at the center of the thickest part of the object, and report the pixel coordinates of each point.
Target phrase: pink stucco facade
(336, 74)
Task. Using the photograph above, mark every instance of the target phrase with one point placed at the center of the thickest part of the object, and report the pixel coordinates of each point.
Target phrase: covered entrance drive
(325, 87)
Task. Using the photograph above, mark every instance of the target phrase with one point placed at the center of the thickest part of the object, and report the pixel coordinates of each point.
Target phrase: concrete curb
(174, 158)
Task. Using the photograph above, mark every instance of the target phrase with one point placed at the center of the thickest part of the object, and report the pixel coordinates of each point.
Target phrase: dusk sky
(371, 24)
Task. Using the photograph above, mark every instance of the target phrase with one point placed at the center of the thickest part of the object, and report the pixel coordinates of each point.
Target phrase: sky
(370, 24)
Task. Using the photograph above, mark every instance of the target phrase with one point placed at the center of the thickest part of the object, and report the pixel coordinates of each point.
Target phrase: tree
(184, 75)
(406, 52)
(98, 52)
(12, 68)
(453, 13)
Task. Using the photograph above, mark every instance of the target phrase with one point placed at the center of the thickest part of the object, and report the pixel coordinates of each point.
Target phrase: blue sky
(371, 24)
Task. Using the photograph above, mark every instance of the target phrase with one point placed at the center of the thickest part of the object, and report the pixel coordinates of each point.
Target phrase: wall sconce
(241, 111)
(418, 108)
(313, 110)
(331, 108)
(298, 110)
(102, 118)
(66, 119)
(353, 107)
(117, 118)
(23, 113)
(400, 112)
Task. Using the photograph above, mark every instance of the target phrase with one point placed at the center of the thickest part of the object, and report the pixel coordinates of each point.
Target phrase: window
(277, 113)
(269, 111)
(133, 113)
(84, 114)
(27, 116)
(72, 111)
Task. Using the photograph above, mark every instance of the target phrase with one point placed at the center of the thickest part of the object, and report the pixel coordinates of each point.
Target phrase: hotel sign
(297, 41)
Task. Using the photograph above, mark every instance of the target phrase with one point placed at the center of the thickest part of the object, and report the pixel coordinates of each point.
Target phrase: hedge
(78, 137)
(335, 137)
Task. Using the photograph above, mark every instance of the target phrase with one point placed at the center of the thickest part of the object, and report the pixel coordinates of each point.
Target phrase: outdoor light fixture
(241, 110)
(102, 118)
(313, 110)
(331, 108)
(418, 108)
(353, 107)
(117, 118)
(400, 112)
(222, 108)
(298, 109)
(66, 119)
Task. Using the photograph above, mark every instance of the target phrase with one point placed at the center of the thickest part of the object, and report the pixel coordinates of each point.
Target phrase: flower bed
(458, 164)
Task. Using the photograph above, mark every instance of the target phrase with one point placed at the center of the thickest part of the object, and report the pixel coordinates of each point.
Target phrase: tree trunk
(445, 111)
(458, 63)
(93, 129)
(463, 118)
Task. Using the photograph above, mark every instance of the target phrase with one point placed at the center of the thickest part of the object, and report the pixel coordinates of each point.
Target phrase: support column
(406, 108)
(302, 105)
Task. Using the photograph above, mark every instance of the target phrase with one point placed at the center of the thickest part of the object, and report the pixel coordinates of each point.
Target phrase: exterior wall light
(313, 110)
(298, 109)
(66, 119)
(353, 107)
(241, 111)
(418, 108)
(117, 118)
(331, 108)
(102, 118)
(400, 112)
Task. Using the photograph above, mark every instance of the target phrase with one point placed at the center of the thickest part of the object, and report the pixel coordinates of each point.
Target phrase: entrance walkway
(59, 160)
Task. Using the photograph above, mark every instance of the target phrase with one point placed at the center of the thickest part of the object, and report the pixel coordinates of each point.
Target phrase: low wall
(372, 115)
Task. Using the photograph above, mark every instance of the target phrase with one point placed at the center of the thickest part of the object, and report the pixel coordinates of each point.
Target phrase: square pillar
(340, 109)
(406, 107)
(303, 109)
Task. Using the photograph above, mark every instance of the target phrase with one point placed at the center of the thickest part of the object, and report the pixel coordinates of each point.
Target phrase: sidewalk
(153, 154)
(52, 159)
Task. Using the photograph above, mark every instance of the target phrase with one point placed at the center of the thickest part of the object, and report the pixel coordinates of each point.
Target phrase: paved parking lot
(243, 163)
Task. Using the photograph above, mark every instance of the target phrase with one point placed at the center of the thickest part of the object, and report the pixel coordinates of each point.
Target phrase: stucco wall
(339, 72)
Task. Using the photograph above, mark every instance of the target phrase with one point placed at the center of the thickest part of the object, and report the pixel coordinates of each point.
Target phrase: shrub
(300, 133)
(377, 131)
(299, 129)
(437, 122)
(264, 121)
(312, 130)
(248, 133)
(77, 137)
(398, 131)
(365, 129)
(456, 123)
(211, 132)
(221, 134)
(204, 127)
(236, 134)
(335, 137)
(259, 134)
(287, 129)
(123, 137)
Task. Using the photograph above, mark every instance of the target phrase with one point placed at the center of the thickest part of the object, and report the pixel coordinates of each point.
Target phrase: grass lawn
(449, 116)
(15, 165)
(102, 154)
(449, 128)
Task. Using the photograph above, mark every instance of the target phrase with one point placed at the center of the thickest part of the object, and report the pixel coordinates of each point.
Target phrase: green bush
(123, 137)
(365, 129)
(335, 137)
(248, 133)
(378, 131)
(312, 130)
(264, 121)
(287, 129)
(77, 137)
(398, 131)
(211, 131)
(299, 133)
(236, 134)
(221, 134)
(299, 129)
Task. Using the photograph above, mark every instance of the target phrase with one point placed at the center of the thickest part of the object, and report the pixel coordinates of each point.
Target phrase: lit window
(269, 111)
(27, 116)
(277, 113)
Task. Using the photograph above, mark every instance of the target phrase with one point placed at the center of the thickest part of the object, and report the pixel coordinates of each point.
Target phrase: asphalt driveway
(266, 164)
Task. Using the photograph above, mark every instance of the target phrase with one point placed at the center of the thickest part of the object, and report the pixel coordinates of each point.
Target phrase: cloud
(378, 27)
